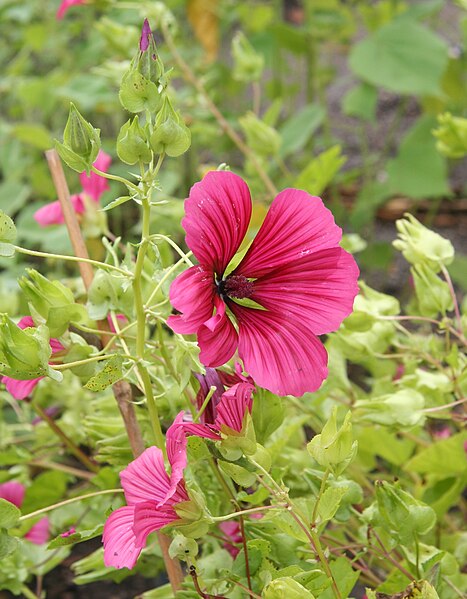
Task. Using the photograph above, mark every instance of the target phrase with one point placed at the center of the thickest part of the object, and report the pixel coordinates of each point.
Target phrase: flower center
(235, 286)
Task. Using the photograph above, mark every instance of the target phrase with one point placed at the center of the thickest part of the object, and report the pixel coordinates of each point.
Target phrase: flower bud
(107, 292)
(143, 83)
(262, 139)
(334, 448)
(24, 354)
(81, 142)
(170, 134)
(131, 143)
(248, 64)
(452, 135)
(52, 301)
(419, 245)
(183, 547)
(433, 295)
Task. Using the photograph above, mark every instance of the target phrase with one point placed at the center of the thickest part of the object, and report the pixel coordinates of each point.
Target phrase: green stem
(101, 265)
(75, 450)
(27, 592)
(49, 508)
(125, 182)
(205, 403)
(69, 365)
(141, 316)
(253, 510)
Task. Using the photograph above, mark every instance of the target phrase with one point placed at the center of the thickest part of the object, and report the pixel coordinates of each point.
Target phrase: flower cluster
(293, 284)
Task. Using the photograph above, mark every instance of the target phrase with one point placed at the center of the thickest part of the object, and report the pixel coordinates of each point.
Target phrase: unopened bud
(452, 135)
(132, 144)
(261, 138)
(248, 64)
(170, 135)
(81, 142)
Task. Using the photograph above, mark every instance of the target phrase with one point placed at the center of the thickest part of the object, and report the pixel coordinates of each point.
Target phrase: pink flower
(151, 496)
(65, 5)
(231, 530)
(22, 389)
(13, 492)
(68, 533)
(230, 414)
(302, 282)
(93, 186)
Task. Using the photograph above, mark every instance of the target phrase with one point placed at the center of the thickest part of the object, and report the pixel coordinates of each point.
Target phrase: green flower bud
(248, 64)
(334, 448)
(405, 408)
(433, 295)
(170, 134)
(182, 547)
(108, 292)
(261, 138)
(403, 515)
(52, 301)
(138, 93)
(419, 245)
(451, 135)
(81, 142)
(24, 354)
(131, 143)
(286, 587)
(195, 521)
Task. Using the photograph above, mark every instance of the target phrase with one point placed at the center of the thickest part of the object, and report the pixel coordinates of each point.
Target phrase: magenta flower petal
(20, 389)
(297, 224)
(65, 5)
(118, 537)
(149, 518)
(94, 185)
(176, 453)
(280, 353)
(192, 293)
(145, 478)
(233, 406)
(51, 214)
(319, 288)
(218, 213)
(13, 492)
(39, 533)
(217, 338)
(145, 36)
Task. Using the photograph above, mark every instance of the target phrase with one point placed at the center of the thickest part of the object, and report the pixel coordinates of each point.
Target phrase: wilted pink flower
(230, 414)
(302, 282)
(13, 492)
(93, 186)
(151, 496)
(65, 5)
(69, 532)
(21, 389)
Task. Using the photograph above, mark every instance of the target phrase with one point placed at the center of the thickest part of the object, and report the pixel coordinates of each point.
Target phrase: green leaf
(118, 202)
(441, 459)
(320, 171)
(240, 475)
(403, 57)
(7, 235)
(110, 374)
(286, 587)
(361, 101)
(418, 170)
(7, 544)
(33, 134)
(330, 502)
(297, 131)
(9, 514)
(344, 576)
(267, 413)
(76, 537)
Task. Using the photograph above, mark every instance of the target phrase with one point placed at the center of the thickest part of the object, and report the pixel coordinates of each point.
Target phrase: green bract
(419, 245)
(451, 134)
(132, 144)
(248, 64)
(81, 142)
(334, 448)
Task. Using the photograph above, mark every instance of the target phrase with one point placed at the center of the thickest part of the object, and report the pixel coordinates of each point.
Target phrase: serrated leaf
(320, 171)
(110, 374)
(240, 475)
(330, 502)
(9, 514)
